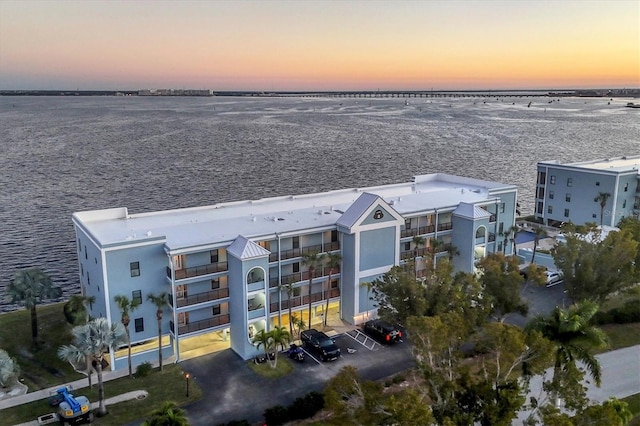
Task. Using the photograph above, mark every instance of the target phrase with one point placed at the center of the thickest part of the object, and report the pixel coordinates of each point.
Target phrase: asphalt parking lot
(232, 391)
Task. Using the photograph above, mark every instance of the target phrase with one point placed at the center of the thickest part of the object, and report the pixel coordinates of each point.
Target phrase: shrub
(9, 369)
(625, 314)
(277, 415)
(144, 369)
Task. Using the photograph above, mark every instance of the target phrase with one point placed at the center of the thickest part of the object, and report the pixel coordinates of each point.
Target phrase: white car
(553, 278)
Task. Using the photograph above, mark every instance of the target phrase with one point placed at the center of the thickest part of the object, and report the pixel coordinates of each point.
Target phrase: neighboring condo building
(235, 268)
(599, 191)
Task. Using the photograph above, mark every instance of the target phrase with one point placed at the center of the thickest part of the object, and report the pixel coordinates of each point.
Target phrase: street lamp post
(187, 377)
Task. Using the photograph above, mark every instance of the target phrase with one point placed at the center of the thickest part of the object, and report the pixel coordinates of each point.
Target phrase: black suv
(382, 331)
(320, 343)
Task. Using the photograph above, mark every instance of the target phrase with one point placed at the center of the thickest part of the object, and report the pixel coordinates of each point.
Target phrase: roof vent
(253, 219)
(148, 233)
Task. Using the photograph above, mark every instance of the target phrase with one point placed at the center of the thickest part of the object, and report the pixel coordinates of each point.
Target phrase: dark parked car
(382, 331)
(321, 344)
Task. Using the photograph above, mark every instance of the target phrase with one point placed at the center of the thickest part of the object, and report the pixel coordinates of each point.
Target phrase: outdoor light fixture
(187, 377)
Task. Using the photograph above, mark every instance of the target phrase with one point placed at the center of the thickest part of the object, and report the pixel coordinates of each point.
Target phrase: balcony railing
(297, 252)
(445, 226)
(304, 300)
(200, 325)
(430, 229)
(193, 299)
(302, 276)
(195, 271)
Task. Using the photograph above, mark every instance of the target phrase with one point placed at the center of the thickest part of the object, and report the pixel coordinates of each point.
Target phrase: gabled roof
(357, 209)
(242, 249)
(471, 211)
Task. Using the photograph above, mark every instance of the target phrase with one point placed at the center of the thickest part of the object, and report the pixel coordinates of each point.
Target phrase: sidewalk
(44, 393)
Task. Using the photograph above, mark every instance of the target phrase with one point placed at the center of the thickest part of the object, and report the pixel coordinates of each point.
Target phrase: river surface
(65, 154)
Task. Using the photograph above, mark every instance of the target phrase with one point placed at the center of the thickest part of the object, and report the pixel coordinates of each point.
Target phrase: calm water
(66, 154)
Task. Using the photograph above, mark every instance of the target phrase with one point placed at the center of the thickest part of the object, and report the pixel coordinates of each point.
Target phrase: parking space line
(310, 356)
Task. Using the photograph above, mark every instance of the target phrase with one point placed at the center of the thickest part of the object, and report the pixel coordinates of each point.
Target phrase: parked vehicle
(382, 331)
(296, 353)
(553, 278)
(320, 343)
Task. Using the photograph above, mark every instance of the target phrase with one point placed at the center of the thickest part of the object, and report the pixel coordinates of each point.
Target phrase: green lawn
(634, 407)
(621, 335)
(168, 385)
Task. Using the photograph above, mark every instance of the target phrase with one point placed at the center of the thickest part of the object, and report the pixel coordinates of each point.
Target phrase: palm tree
(311, 260)
(280, 336)
(538, 233)
(160, 301)
(90, 342)
(169, 414)
(30, 287)
(434, 245)
(76, 306)
(573, 336)
(417, 242)
(127, 306)
(264, 339)
(333, 262)
(513, 232)
(602, 199)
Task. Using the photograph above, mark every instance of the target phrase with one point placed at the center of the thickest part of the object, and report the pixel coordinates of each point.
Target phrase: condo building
(233, 269)
(599, 191)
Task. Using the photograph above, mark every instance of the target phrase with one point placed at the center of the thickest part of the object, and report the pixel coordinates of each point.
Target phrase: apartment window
(214, 256)
(96, 260)
(500, 246)
(539, 207)
(89, 280)
(296, 267)
(624, 204)
(566, 212)
(551, 195)
(86, 256)
(542, 176)
(597, 183)
(567, 198)
(295, 241)
(569, 181)
(81, 270)
(550, 209)
(626, 187)
(215, 284)
(135, 269)
(296, 292)
(407, 246)
(552, 180)
(501, 207)
(79, 246)
(334, 236)
(139, 325)
(215, 310)
(334, 283)
(541, 192)
(501, 228)
(594, 216)
(136, 296)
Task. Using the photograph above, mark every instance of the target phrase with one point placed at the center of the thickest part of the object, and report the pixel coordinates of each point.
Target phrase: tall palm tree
(434, 245)
(602, 199)
(418, 241)
(333, 261)
(127, 306)
(573, 335)
(311, 260)
(90, 342)
(513, 236)
(169, 414)
(161, 301)
(30, 287)
(538, 234)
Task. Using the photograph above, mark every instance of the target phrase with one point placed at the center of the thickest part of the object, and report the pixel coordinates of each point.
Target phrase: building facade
(233, 269)
(599, 191)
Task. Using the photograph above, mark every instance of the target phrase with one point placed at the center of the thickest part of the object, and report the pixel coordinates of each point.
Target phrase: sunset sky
(319, 45)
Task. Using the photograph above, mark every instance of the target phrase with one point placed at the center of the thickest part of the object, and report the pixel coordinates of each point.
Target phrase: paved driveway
(232, 391)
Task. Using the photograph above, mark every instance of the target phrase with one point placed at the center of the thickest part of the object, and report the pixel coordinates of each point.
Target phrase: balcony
(257, 312)
(208, 296)
(216, 321)
(297, 252)
(301, 276)
(304, 300)
(195, 271)
(430, 229)
(445, 226)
